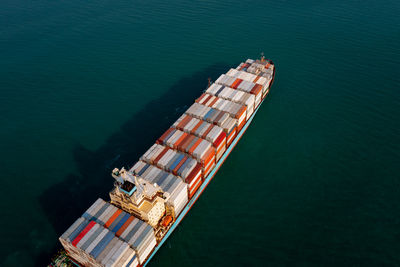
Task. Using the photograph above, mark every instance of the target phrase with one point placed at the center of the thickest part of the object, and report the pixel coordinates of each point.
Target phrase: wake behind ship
(151, 198)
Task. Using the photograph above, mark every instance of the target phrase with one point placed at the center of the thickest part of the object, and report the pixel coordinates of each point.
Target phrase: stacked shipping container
(178, 163)
(243, 83)
(233, 95)
(237, 111)
(202, 129)
(263, 70)
(108, 236)
(217, 117)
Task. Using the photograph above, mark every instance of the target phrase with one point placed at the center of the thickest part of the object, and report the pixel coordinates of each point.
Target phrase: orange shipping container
(184, 135)
(241, 125)
(175, 171)
(208, 155)
(183, 142)
(236, 83)
(195, 146)
(208, 170)
(221, 146)
(197, 126)
(124, 226)
(213, 102)
(241, 111)
(256, 79)
(113, 217)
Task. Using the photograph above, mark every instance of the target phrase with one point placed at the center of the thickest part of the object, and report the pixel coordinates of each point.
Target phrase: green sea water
(87, 86)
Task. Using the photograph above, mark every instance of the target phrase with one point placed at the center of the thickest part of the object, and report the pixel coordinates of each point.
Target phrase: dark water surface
(88, 85)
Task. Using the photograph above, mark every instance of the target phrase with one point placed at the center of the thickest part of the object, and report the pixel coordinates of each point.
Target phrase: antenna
(262, 56)
(124, 175)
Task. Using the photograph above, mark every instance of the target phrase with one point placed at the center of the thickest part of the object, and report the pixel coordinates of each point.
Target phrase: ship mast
(262, 57)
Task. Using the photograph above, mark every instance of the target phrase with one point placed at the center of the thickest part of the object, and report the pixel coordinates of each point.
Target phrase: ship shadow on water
(64, 202)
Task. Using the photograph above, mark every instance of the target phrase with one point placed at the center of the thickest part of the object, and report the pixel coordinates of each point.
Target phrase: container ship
(151, 198)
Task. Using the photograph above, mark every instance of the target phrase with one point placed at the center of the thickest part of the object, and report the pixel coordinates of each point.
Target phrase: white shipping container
(137, 167)
(129, 228)
(103, 218)
(126, 258)
(189, 167)
(164, 159)
(96, 241)
(220, 78)
(149, 151)
(110, 247)
(191, 124)
(114, 258)
(173, 137)
(146, 253)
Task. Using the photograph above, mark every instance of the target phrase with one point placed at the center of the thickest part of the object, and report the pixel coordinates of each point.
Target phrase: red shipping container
(256, 89)
(212, 100)
(195, 183)
(236, 83)
(187, 142)
(198, 100)
(194, 190)
(183, 122)
(219, 139)
(207, 99)
(160, 156)
(165, 135)
(193, 174)
(83, 233)
(219, 116)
